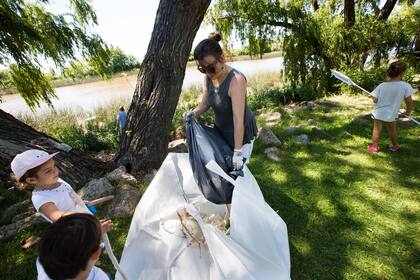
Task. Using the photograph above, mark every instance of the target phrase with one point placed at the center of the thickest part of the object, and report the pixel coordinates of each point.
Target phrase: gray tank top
(221, 104)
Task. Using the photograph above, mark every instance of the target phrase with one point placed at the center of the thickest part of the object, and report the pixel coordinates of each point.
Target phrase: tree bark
(315, 5)
(15, 137)
(144, 145)
(349, 16)
(387, 9)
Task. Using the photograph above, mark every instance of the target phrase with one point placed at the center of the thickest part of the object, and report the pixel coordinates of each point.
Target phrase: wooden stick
(100, 200)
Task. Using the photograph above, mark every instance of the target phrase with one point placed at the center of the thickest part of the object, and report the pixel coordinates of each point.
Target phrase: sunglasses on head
(211, 68)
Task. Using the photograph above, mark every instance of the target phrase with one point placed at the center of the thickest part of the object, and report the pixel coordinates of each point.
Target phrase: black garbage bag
(205, 144)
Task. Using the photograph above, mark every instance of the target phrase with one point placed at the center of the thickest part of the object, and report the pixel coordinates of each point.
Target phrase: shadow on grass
(320, 193)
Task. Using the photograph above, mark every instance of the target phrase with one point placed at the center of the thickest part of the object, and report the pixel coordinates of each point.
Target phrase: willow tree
(159, 83)
(29, 34)
(318, 35)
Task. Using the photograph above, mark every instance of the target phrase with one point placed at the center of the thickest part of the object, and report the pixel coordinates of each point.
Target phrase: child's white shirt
(95, 274)
(390, 95)
(65, 199)
(63, 196)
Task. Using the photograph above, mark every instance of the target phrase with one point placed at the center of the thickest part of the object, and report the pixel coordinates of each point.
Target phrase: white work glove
(238, 159)
(189, 115)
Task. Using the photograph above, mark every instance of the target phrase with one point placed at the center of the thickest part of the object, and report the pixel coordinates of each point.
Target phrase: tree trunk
(15, 137)
(315, 5)
(159, 83)
(387, 9)
(349, 17)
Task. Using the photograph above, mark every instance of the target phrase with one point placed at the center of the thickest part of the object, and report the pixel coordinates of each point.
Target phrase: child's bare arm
(409, 105)
(52, 212)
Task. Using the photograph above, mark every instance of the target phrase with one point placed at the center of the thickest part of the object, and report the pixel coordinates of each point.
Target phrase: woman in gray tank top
(225, 92)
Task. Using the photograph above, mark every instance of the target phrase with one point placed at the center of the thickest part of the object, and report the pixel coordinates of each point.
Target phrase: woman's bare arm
(237, 93)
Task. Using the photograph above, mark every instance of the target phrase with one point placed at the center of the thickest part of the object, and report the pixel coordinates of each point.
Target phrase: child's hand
(375, 100)
(106, 225)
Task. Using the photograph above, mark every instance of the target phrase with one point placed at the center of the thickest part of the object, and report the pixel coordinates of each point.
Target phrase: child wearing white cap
(52, 197)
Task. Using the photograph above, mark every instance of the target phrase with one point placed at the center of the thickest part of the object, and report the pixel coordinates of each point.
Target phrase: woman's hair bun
(215, 36)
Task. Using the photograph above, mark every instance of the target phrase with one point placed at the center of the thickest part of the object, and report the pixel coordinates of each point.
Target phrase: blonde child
(388, 97)
(52, 197)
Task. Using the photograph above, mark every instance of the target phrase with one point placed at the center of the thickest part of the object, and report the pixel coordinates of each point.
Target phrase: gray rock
(311, 105)
(105, 156)
(124, 202)
(302, 139)
(268, 137)
(179, 133)
(311, 122)
(8, 231)
(59, 146)
(359, 121)
(22, 206)
(292, 129)
(178, 146)
(62, 146)
(23, 215)
(271, 118)
(319, 133)
(273, 153)
(96, 188)
(120, 175)
(149, 177)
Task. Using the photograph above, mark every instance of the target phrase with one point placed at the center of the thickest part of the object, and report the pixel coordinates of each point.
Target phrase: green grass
(350, 214)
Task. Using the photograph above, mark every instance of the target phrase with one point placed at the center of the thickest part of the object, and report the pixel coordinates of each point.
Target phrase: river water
(90, 95)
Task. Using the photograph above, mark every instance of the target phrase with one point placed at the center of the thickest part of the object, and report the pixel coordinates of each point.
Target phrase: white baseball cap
(27, 160)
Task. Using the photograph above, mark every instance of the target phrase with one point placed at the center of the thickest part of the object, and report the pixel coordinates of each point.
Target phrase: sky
(127, 24)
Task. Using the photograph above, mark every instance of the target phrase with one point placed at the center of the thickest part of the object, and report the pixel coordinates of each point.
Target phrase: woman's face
(211, 66)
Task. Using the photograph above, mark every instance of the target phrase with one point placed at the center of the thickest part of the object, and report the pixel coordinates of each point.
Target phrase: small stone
(124, 202)
(120, 175)
(149, 176)
(359, 121)
(105, 156)
(311, 105)
(311, 122)
(273, 153)
(319, 133)
(292, 129)
(272, 117)
(178, 146)
(302, 139)
(60, 146)
(179, 133)
(96, 188)
(268, 137)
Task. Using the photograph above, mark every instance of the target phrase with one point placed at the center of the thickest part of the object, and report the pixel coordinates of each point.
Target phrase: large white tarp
(157, 248)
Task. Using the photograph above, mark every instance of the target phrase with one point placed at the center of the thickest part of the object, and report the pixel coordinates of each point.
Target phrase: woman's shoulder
(237, 77)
